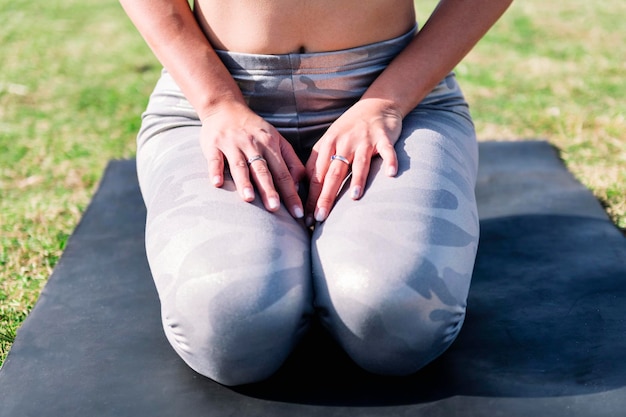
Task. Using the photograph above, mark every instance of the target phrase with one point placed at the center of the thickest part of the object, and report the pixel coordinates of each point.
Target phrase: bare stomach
(284, 26)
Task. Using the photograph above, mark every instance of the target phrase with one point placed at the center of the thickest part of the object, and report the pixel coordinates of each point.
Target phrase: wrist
(383, 105)
(217, 104)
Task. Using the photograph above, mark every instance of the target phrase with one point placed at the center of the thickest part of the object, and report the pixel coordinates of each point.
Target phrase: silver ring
(340, 158)
(255, 158)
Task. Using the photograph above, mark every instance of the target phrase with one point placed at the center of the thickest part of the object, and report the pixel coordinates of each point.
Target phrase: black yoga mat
(545, 333)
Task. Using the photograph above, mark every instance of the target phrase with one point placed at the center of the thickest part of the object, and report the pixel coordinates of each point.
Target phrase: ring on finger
(340, 158)
(255, 158)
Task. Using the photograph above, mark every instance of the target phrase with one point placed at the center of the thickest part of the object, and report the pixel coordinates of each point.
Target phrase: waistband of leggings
(322, 62)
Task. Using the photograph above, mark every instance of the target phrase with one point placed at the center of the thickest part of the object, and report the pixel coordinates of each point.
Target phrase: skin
(184, 40)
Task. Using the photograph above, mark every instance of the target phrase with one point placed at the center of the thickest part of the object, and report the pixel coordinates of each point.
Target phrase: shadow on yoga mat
(545, 333)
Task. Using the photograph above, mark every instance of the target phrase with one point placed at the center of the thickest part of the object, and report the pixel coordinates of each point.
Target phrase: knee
(236, 333)
(390, 330)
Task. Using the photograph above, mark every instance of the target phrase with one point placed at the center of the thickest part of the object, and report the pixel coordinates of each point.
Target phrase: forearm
(172, 33)
(450, 33)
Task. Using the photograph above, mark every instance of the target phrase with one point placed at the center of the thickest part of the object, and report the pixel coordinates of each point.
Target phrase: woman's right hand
(234, 134)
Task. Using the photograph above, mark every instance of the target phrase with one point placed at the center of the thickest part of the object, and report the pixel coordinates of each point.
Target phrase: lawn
(75, 76)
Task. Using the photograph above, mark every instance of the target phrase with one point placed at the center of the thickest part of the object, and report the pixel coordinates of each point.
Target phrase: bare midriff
(286, 26)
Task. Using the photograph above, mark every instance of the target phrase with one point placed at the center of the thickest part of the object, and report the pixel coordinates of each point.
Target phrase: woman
(344, 101)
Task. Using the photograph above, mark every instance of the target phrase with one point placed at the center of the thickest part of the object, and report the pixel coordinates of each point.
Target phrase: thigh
(192, 227)
(233, 279)
(396, 265)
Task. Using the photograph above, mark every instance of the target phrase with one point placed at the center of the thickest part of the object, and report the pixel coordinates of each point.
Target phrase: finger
(360, 171)
(333, 180)
(241, 176)
(262, 177)
(215, 162)
(288, 172)
(316, 167)
(390, 158)
(293, 163)
(283, 181)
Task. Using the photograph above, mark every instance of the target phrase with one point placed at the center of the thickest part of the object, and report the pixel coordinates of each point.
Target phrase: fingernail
(273, 202)
(391, 171)
(217, 180)
(356, 192)
(309, 221)
(320, 214)
(248, 194)
(297, 211)
(297, 184)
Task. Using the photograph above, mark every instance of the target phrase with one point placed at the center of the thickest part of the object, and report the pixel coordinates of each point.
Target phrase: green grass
(556, 71)
(75, 76)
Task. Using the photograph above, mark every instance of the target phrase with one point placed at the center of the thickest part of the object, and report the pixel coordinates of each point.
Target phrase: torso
(284, 26)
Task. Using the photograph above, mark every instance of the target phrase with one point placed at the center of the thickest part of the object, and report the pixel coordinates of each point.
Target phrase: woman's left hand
(370, 127)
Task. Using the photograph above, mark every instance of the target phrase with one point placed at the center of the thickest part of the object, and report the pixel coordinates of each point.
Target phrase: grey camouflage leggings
(387, 275)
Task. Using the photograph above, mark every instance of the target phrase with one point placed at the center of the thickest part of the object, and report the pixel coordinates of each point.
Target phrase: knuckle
(262, 137)
(250, 137)
(360, 160)
(261, 170)
(240, 163)
(215, 159)
(335, 173)
(386, 146)
(283, 176)
(325, 201)
(316, 182)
